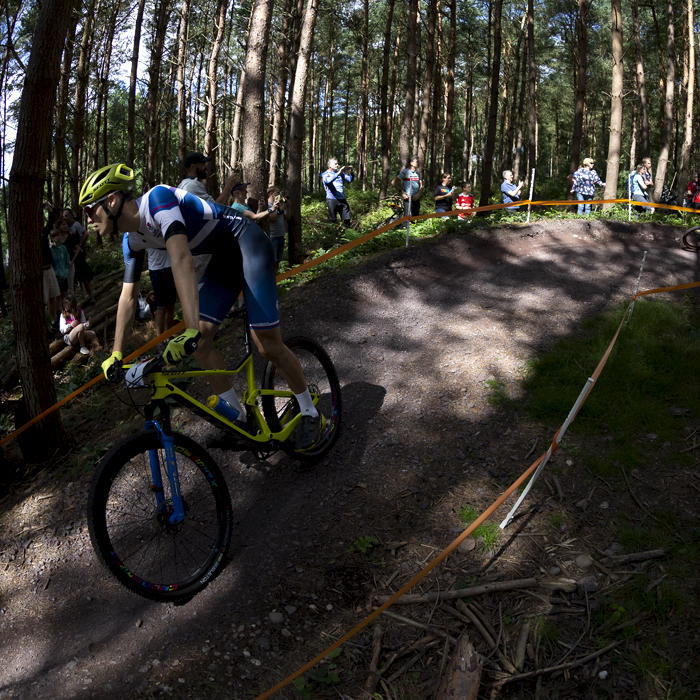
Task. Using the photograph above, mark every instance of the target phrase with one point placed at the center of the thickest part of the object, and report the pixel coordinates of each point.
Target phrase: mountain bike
(691, 238)
(397, 206)
(159, 509)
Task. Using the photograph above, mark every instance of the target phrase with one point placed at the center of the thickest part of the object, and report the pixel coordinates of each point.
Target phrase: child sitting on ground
(466, 199)
(74, 326)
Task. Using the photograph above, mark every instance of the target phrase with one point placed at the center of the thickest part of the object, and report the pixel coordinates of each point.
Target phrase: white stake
(629, 197)
(532, 187)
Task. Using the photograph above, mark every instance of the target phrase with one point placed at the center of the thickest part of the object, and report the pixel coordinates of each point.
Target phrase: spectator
(692, 191)
(443, 194)
(639, 190)
(510, 192)
(410, 184)
(279, 215)
(83, 271)
(72, 245)
(60, 258)
(164, 291)
(240, 202)
(646, 162)
(466, 199)
(51, 290)
(335, 193)
(196, 174)
(74, 326)
(585, 181)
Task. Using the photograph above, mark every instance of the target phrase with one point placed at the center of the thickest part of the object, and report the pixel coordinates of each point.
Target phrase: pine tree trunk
(26, 187)
(384, 115)
(295, 143)
(450, 82)
(521, 112)
(532, 112)
(364, 90)
(427, 87)
(577, 135)
(689, 80)
(615, 141)
(180, 81)
(405, 136)
(435, 132)
(519, 58)
(210, 120)
(665, 143)
(81, 81)
(131, 109)
(641, 85)
(487, 165)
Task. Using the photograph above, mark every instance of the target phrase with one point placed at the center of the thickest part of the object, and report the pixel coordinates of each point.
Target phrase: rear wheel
(133, 535)
(325, 390)
(691, 238)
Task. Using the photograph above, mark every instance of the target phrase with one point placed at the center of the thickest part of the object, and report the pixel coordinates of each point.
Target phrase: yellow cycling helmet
(112, 178)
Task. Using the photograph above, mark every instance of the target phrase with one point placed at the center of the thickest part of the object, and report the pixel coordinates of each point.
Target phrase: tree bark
(280, 91)
(532, 112)
(665, 143)
(641, 86)
(405, 135)
(384, 115)
(427, 86)
(180, 82)
(210, 120)
(580, 104)
(690, 94)
(487, 165)
(450, 83)
(295, 142)
(363, 116)
(615, 140)
(26, 187)
(131, 109)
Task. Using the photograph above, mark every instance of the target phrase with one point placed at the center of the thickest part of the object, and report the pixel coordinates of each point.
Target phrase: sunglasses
(90, 208)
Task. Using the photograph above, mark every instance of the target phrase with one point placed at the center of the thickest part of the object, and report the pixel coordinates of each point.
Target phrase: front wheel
(691, 238)
(131, 531)
(324, 388)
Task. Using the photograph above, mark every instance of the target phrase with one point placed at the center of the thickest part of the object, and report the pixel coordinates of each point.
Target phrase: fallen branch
(553, 669)
(463, 592)
(532, 449)
(463, 677)
(371, 682)
(636, 557)
(427, 641)
(420, 625)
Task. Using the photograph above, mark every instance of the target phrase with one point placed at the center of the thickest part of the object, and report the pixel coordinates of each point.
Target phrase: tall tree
(487, 165)
(532, 111)
(131, 109)
(689, 81)
(450, 86)
(384, 115)
(407, 121)
(280, 91)
(665, 143)
(582, 36)
(210, 119)
(27, 181)
(615, 140)
(641, 84)
(295, 142)
(427, 86)
(180, 81)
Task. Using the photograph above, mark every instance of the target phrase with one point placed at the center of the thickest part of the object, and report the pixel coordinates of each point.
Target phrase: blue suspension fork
(168, 442)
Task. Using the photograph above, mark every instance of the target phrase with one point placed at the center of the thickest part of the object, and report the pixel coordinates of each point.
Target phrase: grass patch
(488, 531)
(650, 379)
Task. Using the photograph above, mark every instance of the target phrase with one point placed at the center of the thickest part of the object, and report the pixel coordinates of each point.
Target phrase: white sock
(306, 404)
(231, 398)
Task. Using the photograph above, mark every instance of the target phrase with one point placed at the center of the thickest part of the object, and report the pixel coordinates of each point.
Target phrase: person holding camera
(279, 215)
(510, 192)
(335, 195)
(443, 194)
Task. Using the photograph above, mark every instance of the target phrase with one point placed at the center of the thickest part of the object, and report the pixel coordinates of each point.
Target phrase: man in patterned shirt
(410, 184)
(585, 181)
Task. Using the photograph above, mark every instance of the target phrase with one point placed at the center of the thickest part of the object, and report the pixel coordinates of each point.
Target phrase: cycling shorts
(163, 287)
(244, 263)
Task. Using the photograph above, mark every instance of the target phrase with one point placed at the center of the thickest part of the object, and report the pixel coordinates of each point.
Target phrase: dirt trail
(414, 334)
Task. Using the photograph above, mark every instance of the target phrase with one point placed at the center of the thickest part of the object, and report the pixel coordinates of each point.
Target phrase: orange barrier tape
(422, 574)
(344, 248)
(673, 288)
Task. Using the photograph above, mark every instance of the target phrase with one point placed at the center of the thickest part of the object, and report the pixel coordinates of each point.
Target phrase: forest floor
(433, 345)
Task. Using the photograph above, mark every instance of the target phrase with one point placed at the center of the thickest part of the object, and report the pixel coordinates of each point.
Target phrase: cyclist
(183, 224)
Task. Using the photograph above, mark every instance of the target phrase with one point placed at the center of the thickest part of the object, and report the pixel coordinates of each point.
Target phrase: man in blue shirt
(510, 192)
(410, 184)
(335, 196)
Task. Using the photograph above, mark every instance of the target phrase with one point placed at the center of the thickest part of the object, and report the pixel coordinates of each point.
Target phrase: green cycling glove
(181, 346)
(112, 367)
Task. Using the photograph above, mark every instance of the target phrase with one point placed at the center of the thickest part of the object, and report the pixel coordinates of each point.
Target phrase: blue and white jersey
(411, 181)
(333, 182)
(165, 211)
